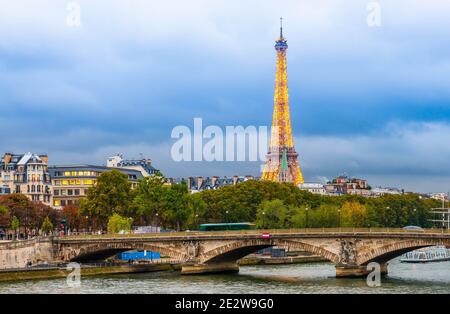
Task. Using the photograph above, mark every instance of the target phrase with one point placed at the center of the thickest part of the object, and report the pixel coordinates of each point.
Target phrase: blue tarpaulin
(127, 256)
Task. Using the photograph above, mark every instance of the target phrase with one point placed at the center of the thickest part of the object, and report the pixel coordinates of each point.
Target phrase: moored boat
(427, 255)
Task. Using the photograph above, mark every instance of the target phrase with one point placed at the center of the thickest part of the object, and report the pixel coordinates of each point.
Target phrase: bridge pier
(352, 271)
(194, 269)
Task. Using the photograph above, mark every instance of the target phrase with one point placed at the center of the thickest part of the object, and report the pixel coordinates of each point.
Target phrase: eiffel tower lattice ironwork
(281, 148)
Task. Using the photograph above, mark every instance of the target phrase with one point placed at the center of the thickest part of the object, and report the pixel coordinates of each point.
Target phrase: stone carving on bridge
(347, 252)
(192, 249)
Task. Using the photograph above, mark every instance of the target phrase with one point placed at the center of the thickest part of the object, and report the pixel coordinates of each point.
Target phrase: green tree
(198, 207)
(15, 225)
(178, 211)
(117, 223)
(150, 198)
(111, 195)
(47, 225)
(4, 217)
(272, 215)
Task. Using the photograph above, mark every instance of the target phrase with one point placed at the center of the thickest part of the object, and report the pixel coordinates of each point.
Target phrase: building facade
(26, 174)
(345, 185)
(143, 165)
(198, 184)
(5, 190)
(315, 188)
(71, 183)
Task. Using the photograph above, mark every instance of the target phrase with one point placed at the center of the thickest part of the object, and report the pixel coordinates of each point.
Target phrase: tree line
(112, 204)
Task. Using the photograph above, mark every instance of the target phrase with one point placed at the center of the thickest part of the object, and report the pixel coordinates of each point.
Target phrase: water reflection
(300, 278)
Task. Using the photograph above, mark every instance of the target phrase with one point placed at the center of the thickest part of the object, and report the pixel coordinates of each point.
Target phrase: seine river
(299, 278)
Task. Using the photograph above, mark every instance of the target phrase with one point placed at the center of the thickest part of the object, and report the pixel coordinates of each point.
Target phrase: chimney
(7, 158)
(199, 182)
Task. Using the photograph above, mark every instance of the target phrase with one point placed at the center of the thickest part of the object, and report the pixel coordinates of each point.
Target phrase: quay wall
(17, 254)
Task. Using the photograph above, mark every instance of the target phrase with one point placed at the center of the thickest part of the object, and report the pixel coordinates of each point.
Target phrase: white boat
(427, 255)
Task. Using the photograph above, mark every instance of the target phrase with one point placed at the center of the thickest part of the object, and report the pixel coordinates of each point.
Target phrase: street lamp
(156, 220)
(196, 221)
(339, 211)
(264, 214)
(87, 224)
(226, 218)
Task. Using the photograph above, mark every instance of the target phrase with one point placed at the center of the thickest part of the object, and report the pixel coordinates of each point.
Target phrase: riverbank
(59, 272)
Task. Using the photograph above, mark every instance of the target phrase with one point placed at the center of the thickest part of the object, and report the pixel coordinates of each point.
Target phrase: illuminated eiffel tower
(281, 161)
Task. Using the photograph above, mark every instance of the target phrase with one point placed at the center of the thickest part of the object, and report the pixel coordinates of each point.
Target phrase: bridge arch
(101, 251)
(390, 251)
(314, 249)
(231, 252)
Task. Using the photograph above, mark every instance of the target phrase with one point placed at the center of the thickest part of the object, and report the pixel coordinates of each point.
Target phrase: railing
(260, 231)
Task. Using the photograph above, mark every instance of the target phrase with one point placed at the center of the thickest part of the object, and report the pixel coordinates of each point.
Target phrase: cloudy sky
(365, 100)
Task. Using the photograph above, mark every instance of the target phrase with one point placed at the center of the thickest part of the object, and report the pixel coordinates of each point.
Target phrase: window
(69, 192)
(57, 182)
(67, 173)
(88, 182)
(69, 202)
(63, 192)
(78, 182)
(65, 182)
(73, 173)
(86, 173)
(76, 191)
(72, 182)
(33, 189)
(63, 202)
(56, 192)
(80, 173)
(39, 188)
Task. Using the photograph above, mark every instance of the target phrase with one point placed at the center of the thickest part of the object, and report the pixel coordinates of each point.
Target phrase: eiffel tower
(281, 160)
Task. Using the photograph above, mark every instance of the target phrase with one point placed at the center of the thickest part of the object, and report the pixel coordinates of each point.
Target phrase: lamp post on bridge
(226, 218)
(196, 221)
(306, 209)
(339, 212)
(263, 216)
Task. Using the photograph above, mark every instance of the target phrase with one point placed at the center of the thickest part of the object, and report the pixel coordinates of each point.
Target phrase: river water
(298, 278)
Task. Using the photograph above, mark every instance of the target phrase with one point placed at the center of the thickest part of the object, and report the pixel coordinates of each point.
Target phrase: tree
(117, 223)
(4, 217)
(198, 208)
(47, 226)
(178, 206)
(75, 219)
(272, 215)
(111, 194)
(150, 198)
(353, 214)
(15, 225)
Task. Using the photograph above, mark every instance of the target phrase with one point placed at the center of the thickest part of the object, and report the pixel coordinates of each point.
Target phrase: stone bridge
(206, 252)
